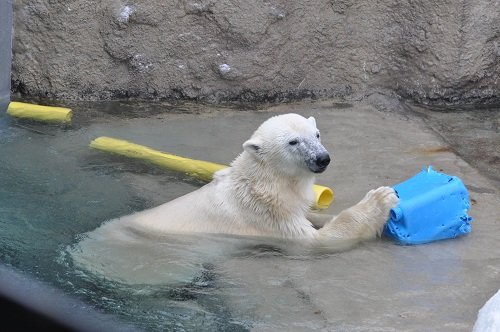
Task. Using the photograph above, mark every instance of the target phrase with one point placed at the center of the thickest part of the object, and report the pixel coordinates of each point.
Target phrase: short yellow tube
(323, 196)
(39, 112)
(200, 169)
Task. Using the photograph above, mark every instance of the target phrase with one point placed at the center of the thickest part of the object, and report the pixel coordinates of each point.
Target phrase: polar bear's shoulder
(222, 174)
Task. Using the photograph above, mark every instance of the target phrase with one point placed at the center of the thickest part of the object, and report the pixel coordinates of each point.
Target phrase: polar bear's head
(289, 143)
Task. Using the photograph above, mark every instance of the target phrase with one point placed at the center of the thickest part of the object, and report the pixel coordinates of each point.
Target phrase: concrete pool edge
(29, 304)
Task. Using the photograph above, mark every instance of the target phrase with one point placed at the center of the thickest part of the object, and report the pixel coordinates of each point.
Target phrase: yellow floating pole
(197, 168)
(39, 112)
(200, 169)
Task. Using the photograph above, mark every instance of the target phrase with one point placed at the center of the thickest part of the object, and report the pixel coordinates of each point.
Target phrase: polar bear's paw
(375, 207)
(364, 220)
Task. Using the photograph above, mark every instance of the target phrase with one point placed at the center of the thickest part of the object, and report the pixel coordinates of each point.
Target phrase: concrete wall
(5, 51)
(425, 50)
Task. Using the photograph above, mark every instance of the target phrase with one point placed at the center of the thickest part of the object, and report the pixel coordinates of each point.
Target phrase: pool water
(54, 189)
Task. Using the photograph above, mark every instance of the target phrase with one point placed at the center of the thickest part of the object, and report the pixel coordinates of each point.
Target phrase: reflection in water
(175, 276)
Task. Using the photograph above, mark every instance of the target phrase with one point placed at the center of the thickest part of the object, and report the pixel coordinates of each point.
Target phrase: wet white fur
(267, 191)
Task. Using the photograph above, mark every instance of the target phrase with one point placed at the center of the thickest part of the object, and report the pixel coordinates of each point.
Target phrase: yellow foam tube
(200, 169)
(39, 112)
(197, 168)
(323, 196)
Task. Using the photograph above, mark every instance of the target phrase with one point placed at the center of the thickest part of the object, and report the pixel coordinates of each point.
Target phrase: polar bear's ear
(312, 120)
(252, 146)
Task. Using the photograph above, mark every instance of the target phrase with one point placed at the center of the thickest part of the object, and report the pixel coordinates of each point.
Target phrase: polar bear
(266, 192)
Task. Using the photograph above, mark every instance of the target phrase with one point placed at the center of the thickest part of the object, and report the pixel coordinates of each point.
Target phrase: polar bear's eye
(317, 135)
(293, 142)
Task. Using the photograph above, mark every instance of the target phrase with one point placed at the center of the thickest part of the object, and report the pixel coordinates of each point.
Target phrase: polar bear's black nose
(323, 160)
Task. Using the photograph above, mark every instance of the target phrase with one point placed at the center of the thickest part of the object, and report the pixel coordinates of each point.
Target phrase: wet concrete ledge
(470, 131)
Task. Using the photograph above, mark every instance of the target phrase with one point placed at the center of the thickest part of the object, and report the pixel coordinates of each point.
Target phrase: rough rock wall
(426, 50)
(5, 58)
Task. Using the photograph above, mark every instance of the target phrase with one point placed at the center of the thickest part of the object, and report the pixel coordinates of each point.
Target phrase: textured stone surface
(5, 54)
(428, 51)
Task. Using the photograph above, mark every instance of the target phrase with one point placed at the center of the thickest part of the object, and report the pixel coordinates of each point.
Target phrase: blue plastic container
(433, 206)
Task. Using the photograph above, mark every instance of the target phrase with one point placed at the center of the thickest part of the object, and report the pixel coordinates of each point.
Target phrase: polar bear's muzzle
(316, 157)
(320, 163)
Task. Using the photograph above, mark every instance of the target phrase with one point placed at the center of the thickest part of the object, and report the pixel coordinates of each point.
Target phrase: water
(54, 189)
